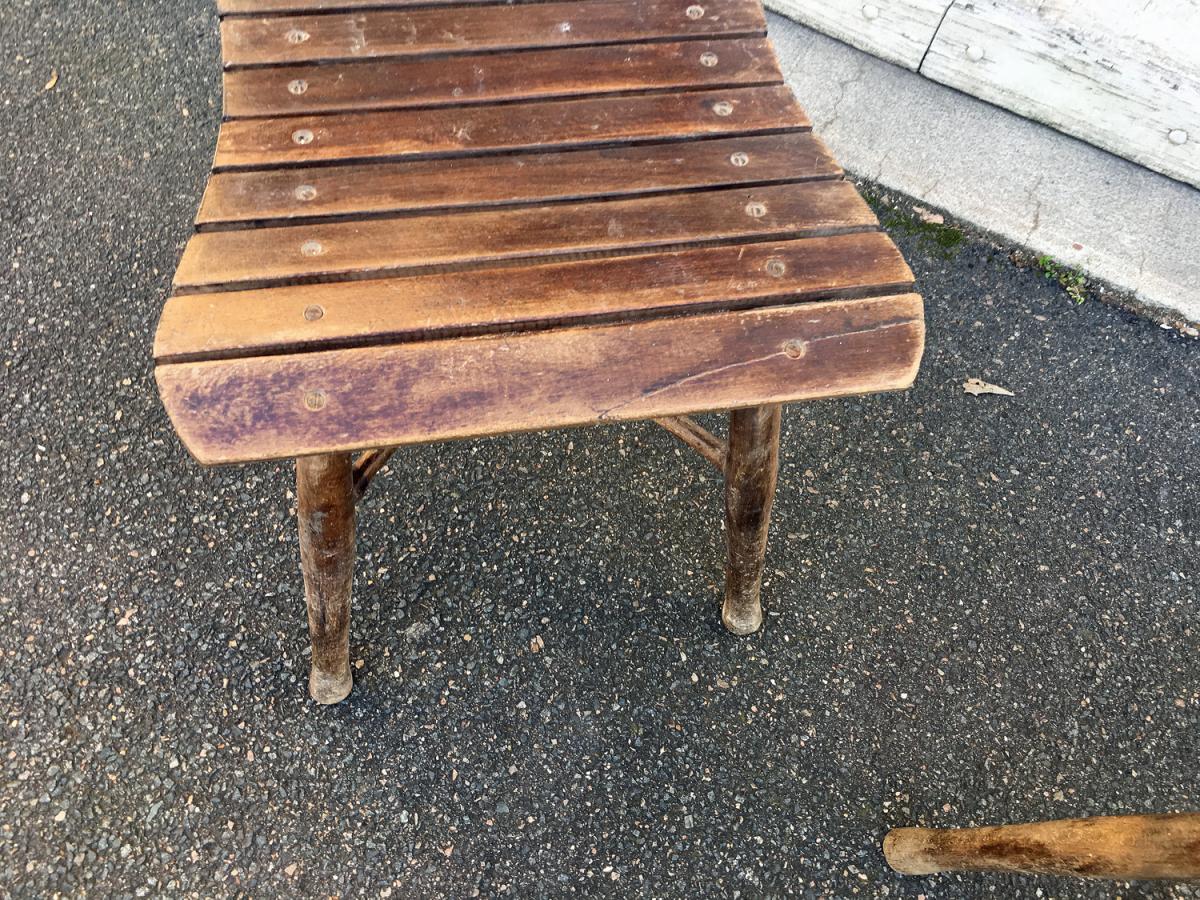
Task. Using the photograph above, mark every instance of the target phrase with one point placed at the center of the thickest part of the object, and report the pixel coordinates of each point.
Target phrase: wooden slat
(424, 307)
(427, 185)
(260, 143)
(280, 406)
(487, 78)
(386, 33)
(258, 257)
(273, 7)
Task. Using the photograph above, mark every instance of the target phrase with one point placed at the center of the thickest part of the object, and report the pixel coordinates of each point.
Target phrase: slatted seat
(437, 220)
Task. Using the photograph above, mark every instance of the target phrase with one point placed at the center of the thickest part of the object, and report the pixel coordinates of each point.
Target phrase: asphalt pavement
(979, 608)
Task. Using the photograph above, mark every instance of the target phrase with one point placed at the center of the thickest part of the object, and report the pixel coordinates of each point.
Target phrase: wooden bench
(433, 220)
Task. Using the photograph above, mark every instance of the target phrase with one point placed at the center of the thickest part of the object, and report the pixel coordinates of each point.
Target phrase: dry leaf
(976, 387)
(53, 80)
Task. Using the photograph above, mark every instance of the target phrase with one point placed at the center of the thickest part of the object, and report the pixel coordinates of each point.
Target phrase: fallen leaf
(53, 80)
(536, 644)
(976, 387)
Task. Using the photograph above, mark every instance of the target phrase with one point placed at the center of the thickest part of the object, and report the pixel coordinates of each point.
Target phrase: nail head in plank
(411, 32)
(324, 251)
(495, 77)
(305, 193)
(257, 143)
(427, 307)
(249, 409)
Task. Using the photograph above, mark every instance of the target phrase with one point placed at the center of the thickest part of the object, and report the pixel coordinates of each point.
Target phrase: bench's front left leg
(751, 468)
(325, 508)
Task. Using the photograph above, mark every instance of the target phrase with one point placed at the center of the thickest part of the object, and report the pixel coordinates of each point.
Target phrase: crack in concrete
(843, 85)
(1032, 196)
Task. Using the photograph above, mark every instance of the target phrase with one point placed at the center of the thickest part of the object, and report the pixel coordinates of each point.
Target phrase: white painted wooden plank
(1120, 75)
(896, 30)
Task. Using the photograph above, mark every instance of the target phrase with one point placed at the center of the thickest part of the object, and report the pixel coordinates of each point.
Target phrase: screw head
(708, 59)
(1177, 136)
(297, 36)
(302, 136)
(297, 87)
(314, 400)
(974, 53)
(739, 159)
(870, 11)
(305, 192)
(314, 312)
(312, 248)
(695, 11)
(755, 209)
(776, 268)
(795, 348)
(723, 108)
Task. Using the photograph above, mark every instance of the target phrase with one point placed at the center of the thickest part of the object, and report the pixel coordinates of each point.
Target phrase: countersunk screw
(695, 11)
(297, 87)
(739, 159)
(306, 192)
(1177, 136)
(795, 348)
(708, 59)
(756, 209)
(870, 11)
(314, 400)
(302, 136)
(974, 53)
(723, 108)
(296, 36)
(776, 268)
(314, 312)
(312, 248)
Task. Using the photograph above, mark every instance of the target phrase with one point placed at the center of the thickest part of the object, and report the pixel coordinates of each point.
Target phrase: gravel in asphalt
(979, 609)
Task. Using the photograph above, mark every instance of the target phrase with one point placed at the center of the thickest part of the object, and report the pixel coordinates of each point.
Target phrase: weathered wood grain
(1122, 76)
(260, 257)
(340, 400)
(427, 185)
(375, 34)
(896, 30)
(496, 77)
(454, 131)
(751, 469)
(274, 7)
(325, 510)
(241, 323)
(1119, 847)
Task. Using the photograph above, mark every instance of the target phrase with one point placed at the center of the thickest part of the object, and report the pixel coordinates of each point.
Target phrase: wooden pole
(1119, 847)
(751, 467)
(325, 508)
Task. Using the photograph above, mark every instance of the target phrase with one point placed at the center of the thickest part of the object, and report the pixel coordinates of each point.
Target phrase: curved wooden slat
(270, 407)
(324, 251)
(310, 140)
(473, 182)
(542, 295)
(498, 77)
(411, 32)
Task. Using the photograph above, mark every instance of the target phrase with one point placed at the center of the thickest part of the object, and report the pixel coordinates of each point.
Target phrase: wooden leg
(325, 507)
(751, 467)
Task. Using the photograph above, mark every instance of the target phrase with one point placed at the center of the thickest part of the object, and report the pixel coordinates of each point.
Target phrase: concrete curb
(1056, 195)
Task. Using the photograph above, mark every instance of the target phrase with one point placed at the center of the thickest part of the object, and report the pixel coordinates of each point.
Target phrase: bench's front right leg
(325, 508)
